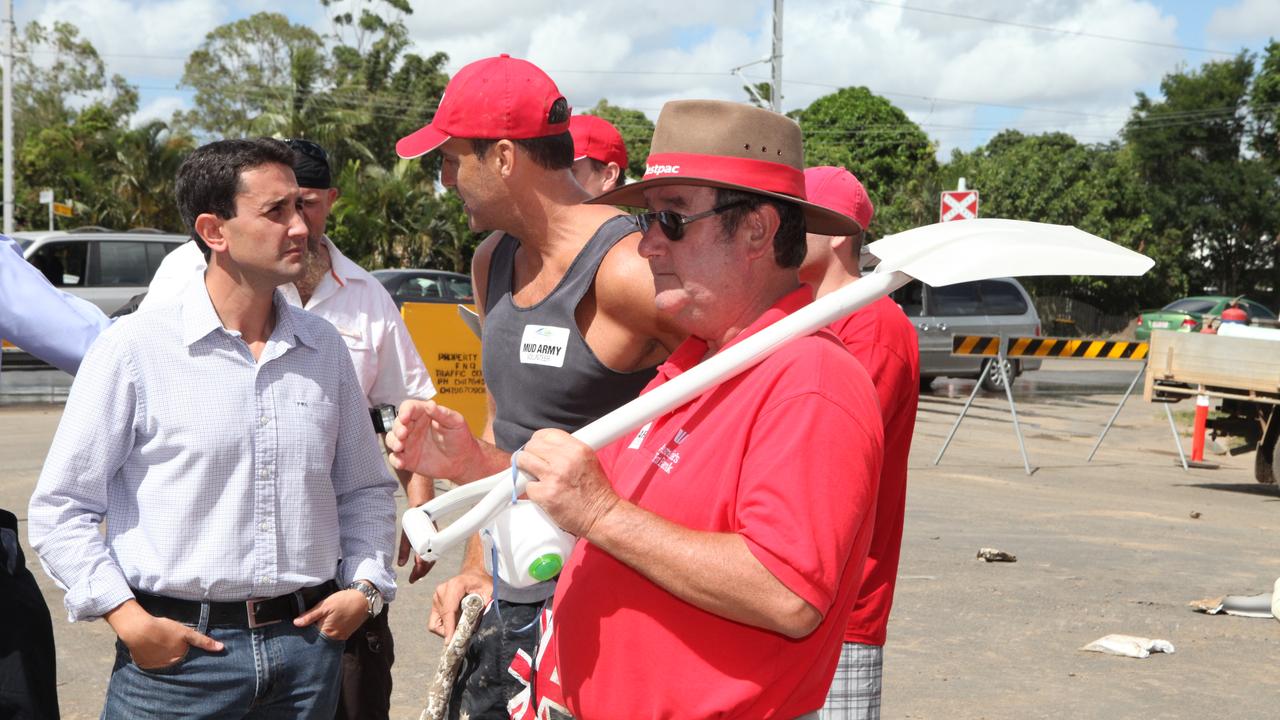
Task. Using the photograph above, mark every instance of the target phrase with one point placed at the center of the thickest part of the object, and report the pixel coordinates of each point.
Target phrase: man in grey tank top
(570, 330)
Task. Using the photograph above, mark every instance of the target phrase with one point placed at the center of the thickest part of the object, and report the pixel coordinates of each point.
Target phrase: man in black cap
(387, 365)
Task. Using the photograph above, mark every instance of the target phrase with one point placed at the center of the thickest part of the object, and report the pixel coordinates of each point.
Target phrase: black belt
(244, 614)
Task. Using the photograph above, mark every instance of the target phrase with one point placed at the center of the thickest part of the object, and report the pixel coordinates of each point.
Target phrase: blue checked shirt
(219, 478)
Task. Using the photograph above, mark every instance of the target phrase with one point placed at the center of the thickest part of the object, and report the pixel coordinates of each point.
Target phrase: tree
(1053, 178)
(67, 116)
(145, 170)
(876, 141)
(1202, 190)
(396, 219)
(256, 66)
(636, 130)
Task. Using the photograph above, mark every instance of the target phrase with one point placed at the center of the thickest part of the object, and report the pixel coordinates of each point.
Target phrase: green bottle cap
(546, 567)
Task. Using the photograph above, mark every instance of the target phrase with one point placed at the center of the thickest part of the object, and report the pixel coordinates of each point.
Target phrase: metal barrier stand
(999, 364)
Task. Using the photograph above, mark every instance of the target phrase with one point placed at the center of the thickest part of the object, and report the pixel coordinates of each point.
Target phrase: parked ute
(103, 266)
(421, 285)
(985, 307)
(1189, 314)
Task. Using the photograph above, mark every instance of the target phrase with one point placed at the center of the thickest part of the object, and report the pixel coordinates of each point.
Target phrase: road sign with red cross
(959, 205)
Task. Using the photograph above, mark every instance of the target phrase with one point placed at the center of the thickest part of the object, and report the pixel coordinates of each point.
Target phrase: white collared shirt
(219, 477)
(387, 363)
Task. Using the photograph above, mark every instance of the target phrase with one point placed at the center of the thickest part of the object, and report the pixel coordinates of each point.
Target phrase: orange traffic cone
(1197, 433)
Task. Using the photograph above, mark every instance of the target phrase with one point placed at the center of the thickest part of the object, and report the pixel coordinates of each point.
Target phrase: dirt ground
(1104, 547)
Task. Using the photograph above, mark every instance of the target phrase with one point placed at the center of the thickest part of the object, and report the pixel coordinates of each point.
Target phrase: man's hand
(338, 615)
(419, 490)
(155, 642)
(433, 440)
(446, 604)
(570, 485)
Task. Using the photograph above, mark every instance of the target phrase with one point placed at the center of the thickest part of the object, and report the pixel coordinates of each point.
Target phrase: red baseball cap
(837, 189)
(492, 99)
(597, 138)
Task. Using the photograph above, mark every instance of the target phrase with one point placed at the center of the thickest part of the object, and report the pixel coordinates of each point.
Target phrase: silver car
(105, 267)
(984, 307)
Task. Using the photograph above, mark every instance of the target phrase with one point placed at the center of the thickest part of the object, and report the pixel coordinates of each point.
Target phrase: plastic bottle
(531, 548)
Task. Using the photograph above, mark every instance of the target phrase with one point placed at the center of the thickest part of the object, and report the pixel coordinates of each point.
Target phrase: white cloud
(672, 49)
(151, 39)
(161, 108)
(1246, 20)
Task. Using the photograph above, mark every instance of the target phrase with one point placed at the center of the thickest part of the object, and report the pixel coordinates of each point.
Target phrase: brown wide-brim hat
(714, 143)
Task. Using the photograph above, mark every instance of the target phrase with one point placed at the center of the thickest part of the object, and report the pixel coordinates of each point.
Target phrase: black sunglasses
(308, 148)
(672, 222)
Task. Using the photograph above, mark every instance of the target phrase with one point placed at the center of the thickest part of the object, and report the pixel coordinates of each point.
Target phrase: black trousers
(28, 667)
(366, 671)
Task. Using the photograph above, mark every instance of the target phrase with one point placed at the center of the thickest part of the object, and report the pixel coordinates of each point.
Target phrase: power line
(1044, 28)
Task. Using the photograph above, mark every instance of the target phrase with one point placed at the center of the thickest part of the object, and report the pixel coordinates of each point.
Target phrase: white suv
(105, 267)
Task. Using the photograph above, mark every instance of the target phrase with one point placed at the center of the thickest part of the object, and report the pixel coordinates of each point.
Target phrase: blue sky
(954, 76)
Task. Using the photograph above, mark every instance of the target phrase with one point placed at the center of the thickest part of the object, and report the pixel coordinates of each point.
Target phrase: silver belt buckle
(251, 606)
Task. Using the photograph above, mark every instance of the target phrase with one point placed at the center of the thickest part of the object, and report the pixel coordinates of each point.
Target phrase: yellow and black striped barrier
(988, 345)
(1042, 347)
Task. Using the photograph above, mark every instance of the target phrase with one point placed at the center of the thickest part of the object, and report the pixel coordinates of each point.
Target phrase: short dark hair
(551, 152)
(599, 166)
(789, 242)
(209, 178)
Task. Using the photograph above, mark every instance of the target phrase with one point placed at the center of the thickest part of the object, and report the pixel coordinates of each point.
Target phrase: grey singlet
(537, 365)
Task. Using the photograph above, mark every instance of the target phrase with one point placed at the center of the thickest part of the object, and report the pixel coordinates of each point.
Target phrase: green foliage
(1052, 178)
(392, 217)
(262, 65)
(876, 141)
(1219, 205)
(636, 130)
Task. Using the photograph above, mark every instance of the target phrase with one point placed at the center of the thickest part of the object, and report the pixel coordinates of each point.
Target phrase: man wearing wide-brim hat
(721, 545)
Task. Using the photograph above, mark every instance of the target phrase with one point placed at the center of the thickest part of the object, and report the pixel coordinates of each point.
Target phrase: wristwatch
(371, 594)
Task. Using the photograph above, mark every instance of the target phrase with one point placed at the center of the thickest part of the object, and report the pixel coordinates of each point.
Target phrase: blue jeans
(277, 671)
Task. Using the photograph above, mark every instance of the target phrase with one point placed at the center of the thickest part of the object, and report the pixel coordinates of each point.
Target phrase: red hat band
(758, 174)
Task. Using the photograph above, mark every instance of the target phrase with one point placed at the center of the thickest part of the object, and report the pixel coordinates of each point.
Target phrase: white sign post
(46, 198)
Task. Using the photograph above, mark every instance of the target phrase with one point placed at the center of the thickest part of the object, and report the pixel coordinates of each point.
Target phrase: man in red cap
(721, 545)
(599, 155)
(569, 328)
(883, 340)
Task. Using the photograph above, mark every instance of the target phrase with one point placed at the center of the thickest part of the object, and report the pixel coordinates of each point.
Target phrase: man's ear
(611, 174)
(838, 242)
(333, 194)
(504, 156)
(209, 227)
(761, 225)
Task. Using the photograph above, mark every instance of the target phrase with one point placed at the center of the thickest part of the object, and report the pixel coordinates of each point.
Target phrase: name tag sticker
(544, 345)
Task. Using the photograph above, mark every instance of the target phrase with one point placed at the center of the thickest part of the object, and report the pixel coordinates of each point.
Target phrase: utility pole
(775, 94)
(8, 119)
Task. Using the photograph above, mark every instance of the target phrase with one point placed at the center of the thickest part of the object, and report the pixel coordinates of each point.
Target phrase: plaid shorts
(855, 690)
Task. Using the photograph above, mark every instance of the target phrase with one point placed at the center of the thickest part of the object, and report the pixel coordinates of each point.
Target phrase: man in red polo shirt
(599, 155)
(881, 337)
(721, 545)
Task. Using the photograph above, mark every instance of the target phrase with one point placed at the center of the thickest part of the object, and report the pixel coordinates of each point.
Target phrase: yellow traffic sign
(451, 352)
(63, 210)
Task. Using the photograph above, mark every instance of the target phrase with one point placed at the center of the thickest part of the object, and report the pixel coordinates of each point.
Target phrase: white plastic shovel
(940, 254)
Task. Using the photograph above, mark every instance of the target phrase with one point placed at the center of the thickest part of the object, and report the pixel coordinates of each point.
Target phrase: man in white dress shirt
(387, 365)
(227, 445)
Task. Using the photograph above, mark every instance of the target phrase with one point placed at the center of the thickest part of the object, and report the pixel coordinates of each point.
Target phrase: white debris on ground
(1128, 646)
